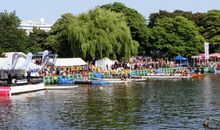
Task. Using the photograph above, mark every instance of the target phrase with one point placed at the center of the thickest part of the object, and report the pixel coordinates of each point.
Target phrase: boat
(99, 82)
(179, 74)
(138, 80)
(15, 66)
(115, 81)
(26, 88)
(167, 77)
(92, 82)
(197, 75)
(82, 82)
(12, 90)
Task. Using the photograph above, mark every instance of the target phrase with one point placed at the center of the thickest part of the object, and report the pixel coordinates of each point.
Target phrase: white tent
(10, 54)
(5, 64)
(31, 66)
(69, 62)
(103, 62)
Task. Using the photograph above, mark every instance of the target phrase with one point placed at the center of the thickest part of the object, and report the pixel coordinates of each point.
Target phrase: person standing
(9, 80)
(28, 77)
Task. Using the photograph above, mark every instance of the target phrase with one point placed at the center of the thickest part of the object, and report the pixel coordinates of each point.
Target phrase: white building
(29, 25)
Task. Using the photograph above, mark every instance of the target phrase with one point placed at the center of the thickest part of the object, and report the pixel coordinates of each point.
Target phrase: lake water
(154, 104)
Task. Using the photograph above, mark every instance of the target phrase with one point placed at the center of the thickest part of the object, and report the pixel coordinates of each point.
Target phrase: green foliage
(58, 39)
(37, 40)
(136, 23)
(116, 31)
(176, 36)
(196, 17)
(11, 37)
(212, 29)
(96, 34)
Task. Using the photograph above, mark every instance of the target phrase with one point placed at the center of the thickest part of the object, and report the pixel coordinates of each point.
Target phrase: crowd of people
(119, 69)
(140, 62)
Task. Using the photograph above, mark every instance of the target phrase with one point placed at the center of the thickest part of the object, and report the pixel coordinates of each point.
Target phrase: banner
(206, 50)
(44, 57)
(14, 60)
(28, 59)
(54, 59)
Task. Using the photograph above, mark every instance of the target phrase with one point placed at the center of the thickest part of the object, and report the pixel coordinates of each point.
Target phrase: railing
(109, 74)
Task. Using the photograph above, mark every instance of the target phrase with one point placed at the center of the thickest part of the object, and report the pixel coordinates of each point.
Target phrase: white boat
(167, 77)
(12, 90)
(114, 81)
(139, 80)
(26, 88)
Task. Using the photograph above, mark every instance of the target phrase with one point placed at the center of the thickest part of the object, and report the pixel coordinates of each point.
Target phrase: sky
(51, 10)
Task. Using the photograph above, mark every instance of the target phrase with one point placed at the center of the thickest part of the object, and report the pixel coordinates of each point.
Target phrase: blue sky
(51, 10)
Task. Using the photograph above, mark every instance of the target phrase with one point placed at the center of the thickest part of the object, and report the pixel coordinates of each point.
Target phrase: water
(154, 104)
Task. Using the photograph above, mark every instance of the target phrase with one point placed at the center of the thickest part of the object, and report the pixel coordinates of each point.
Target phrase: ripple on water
(154, 104)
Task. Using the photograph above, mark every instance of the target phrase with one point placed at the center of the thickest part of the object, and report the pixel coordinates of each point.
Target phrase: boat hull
(166, 77)
(11, 90)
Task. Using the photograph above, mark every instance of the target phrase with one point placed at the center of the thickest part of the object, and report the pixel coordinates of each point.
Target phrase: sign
(206, 50)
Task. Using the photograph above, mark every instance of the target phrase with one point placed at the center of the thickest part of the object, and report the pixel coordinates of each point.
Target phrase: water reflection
(155, 104)
(5, 105)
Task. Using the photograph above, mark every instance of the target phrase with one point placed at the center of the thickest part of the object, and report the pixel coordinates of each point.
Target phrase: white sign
(206, 50)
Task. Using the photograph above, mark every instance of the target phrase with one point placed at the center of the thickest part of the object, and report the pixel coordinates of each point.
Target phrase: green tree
(11, 37)
(101, 33)
(136, 23)
(176, 36)
(195, 17)
(212, 29)
(96, 34)
(37, 40)
(58, 38)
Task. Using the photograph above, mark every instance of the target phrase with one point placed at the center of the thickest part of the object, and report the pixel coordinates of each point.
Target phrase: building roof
(69, 62)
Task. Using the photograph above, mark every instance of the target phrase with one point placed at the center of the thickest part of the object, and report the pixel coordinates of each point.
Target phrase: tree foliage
(37, 40)
(11, 37)
(101, 33)
(116, 31)
(96, 34)
(176, 36)
(58, 39)
(195, 17)
(212, 29)
(136, 23)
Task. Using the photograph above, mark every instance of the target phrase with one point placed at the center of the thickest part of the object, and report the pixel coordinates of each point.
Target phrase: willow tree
(101, 33)
(136, 23)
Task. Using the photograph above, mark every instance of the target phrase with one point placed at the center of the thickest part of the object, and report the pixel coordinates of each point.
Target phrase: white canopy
(103, 62)
(69, 62)
(5, 64)
(10, 54)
